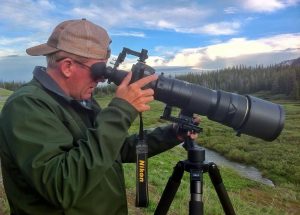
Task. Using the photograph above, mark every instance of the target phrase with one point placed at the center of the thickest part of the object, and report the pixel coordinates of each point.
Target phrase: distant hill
(293, 62)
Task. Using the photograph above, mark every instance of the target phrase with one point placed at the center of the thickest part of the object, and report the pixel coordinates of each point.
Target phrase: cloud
(222, 28)
(25, 23)
(9, 41)
(46, 5)
(266, 59)
(167, 51)
(176, 17)
(128, 34)
(27, 14)
(7, 52)
(230, 10)
(189, 18)
(267, 50)
(14, 46)
(236, 48)
(268, 5)
(17, 45)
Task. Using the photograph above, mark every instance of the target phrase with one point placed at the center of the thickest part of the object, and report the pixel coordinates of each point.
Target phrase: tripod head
(185, 125)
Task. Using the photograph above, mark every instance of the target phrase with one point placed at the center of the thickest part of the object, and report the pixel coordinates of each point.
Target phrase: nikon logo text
(141, 170)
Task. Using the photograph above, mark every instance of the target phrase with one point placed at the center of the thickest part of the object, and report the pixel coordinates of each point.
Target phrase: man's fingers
(134, 94)
(148, 92)
(143, 108)
(147, 99)
(146, 80)
(127, 79)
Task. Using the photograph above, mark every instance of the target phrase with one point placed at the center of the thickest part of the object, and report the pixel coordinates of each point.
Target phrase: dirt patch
(2, 199)
(131, 195)
(132, 210)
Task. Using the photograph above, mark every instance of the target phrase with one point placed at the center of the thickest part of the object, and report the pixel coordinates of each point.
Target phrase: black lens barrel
(264, 120)
(245, 114)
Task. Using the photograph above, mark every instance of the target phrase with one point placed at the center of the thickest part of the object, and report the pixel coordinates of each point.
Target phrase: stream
(249, 172)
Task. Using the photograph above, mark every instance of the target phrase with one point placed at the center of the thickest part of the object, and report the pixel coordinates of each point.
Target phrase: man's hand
(180, 135)
(134, 94)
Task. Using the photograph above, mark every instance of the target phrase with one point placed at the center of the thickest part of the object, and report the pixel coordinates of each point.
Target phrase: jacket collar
(40, 74)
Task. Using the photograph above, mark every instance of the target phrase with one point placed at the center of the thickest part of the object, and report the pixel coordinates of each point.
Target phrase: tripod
(196, 166)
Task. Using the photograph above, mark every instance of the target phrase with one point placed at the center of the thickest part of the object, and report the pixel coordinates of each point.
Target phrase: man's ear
(65, 67)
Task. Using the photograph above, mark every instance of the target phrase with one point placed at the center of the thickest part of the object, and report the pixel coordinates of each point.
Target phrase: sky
(180, 35)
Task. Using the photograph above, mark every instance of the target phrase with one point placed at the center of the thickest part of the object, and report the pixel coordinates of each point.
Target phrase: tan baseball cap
(79, 37)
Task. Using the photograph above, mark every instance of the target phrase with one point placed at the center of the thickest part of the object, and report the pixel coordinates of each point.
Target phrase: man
(60, 153)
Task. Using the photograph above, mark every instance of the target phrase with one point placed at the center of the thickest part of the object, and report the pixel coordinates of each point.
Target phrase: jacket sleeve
(159, 140)
(60, 169)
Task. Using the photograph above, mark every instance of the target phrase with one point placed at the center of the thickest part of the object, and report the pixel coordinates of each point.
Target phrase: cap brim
(43, 49)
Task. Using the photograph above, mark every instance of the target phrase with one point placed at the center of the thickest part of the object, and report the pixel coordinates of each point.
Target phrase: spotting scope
(246, 114)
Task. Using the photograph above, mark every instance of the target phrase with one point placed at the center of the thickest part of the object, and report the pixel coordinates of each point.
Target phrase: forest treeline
(12, 85)
(276, 79)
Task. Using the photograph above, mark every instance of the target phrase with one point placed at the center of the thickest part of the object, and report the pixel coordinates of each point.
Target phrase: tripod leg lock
(214, 173)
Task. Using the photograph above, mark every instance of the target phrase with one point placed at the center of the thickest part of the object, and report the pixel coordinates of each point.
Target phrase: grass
(3, 96)
(4, 208)
(278, 160)
(248, 197)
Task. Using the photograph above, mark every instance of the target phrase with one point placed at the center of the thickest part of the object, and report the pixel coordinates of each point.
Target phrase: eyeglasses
(95, 71)
(82, 64)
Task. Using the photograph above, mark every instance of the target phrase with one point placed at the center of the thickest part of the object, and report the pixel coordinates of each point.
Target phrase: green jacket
(59, 156)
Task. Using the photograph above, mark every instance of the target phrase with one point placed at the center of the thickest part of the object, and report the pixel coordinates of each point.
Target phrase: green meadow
(278, 160)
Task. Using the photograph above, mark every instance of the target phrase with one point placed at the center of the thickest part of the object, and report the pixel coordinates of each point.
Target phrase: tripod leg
(217, 181)
(196, 190)
(170, 190)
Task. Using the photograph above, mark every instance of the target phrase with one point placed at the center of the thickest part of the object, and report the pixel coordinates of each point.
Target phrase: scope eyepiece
(98, 70)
